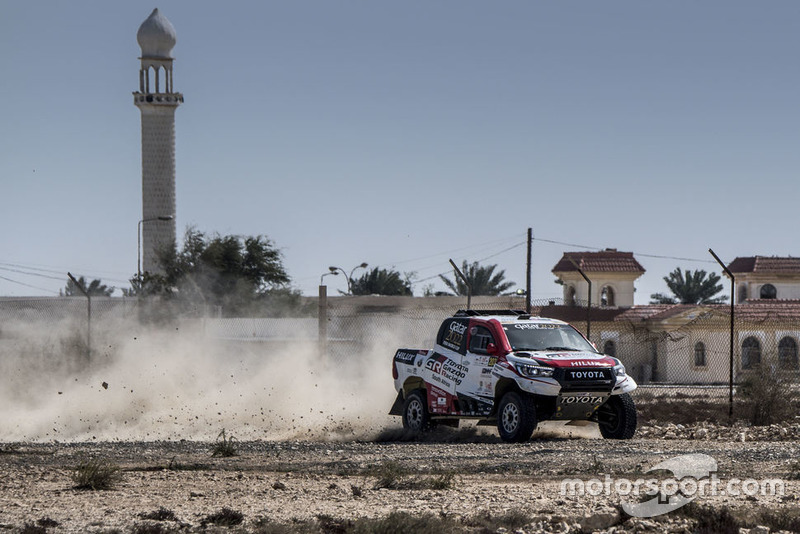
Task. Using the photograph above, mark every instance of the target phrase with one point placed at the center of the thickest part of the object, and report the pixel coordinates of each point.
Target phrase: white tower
(157, 102)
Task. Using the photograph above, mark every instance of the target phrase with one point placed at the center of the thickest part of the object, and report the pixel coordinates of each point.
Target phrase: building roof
(646, 312)
(608, 261)
(765, 265)
(752, 311)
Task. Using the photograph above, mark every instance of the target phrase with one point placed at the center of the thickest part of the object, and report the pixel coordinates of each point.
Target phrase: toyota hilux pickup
(514, 370)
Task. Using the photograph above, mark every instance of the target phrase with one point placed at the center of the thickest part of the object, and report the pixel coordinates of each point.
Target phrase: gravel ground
(452, 474)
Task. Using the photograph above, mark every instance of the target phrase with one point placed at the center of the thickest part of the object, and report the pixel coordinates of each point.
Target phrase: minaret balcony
(163, 99)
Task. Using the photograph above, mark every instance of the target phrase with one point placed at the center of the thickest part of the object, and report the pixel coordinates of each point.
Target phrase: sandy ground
(299, 480)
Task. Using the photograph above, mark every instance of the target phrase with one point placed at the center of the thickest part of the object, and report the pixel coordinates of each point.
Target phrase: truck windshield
(556, 337)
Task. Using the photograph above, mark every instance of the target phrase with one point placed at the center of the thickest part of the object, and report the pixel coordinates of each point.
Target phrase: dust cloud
(174, 383)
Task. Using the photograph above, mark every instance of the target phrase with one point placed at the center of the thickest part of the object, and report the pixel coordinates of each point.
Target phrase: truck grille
(583, 379)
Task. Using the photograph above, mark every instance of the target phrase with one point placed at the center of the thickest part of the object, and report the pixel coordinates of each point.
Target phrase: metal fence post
(322, 315)
(730, 378)
(89, 315)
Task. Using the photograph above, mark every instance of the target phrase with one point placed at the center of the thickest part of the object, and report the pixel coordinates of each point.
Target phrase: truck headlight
(532, 371)
(619, 370)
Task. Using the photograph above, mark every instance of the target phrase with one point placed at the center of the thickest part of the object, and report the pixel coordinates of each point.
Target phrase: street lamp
(333, 269)
(139, 241)
(326, 274)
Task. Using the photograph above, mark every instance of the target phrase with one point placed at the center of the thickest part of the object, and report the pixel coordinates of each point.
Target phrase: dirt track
(457, 474)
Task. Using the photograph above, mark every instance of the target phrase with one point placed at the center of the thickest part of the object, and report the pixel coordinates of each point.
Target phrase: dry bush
(769, 396)
(224, 518)
(96, 474)
(224, 447)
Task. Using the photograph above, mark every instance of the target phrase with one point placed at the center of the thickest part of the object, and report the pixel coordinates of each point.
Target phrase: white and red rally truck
(512, 369)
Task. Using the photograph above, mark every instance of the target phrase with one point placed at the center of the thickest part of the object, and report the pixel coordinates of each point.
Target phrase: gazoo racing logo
(447, 368)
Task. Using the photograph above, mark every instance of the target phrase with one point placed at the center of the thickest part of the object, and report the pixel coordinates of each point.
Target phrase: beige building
(685, 343)
(612, 275)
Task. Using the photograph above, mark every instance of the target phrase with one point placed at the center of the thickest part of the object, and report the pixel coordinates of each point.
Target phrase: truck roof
(506, 316)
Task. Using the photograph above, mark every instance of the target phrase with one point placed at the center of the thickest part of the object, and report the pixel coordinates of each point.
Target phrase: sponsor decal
(405, 357)
(446, 370)
(582, 399)
(586, 375)
(492, 361)
(535, 326)
(455, 335)
(585, 363)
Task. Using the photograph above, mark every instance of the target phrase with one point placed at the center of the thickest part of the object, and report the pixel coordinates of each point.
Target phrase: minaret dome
(156, 36)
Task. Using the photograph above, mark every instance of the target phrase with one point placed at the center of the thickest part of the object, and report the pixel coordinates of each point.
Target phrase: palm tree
(381, 282)
(94, 289)
(689, 287)
(483, 280)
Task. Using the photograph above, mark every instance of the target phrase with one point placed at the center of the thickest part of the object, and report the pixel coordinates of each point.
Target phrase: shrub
(224, 518)
(400, 522)
(96, 474)
(162, 514)
(769, 396)
(224, 446)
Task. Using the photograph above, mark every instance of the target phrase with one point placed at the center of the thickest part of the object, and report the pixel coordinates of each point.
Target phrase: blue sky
(403, 134)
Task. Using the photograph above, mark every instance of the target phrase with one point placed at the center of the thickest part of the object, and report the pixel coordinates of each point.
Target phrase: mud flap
(397, 407)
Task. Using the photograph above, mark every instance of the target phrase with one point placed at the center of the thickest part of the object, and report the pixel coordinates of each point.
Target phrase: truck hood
(568, 358)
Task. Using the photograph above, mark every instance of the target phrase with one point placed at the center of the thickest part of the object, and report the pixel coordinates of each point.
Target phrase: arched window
(742, 292)
(607, 296)
(751, 353)
(570, 300)
(787, 353)
(610, 348)
(700, 354)
(768, 291)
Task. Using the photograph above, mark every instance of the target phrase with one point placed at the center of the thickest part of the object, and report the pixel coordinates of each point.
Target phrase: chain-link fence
(661, 345)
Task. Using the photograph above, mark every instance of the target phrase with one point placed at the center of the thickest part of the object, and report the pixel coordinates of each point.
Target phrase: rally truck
(512, 369)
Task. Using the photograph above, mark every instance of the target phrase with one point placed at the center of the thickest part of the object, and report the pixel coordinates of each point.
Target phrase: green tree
(382, 282)
(95, 288)
(689, 287)
(483, 280)
(234, 272)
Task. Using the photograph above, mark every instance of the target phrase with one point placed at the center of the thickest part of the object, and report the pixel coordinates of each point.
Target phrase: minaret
(157, 102)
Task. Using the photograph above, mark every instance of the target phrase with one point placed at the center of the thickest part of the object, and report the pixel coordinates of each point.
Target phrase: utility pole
(528, 273)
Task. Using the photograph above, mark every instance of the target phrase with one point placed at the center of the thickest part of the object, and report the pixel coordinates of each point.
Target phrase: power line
(32, 274)
(27, 285)
(642, 255)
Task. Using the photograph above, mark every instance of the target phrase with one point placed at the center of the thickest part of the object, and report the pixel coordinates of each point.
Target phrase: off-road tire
(516, 417)
(617, 417)
(415, 412)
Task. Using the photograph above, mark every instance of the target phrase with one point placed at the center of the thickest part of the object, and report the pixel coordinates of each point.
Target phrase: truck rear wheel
(617, 417)
(415, 412)
(516, 417)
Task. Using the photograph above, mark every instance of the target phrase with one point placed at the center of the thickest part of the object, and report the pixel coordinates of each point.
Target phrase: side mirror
(491, 349)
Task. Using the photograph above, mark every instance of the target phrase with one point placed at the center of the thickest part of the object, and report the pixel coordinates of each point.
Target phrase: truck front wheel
(617, 417)
(516, 417)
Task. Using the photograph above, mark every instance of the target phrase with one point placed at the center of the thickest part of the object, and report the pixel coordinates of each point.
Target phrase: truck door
(476, 394)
